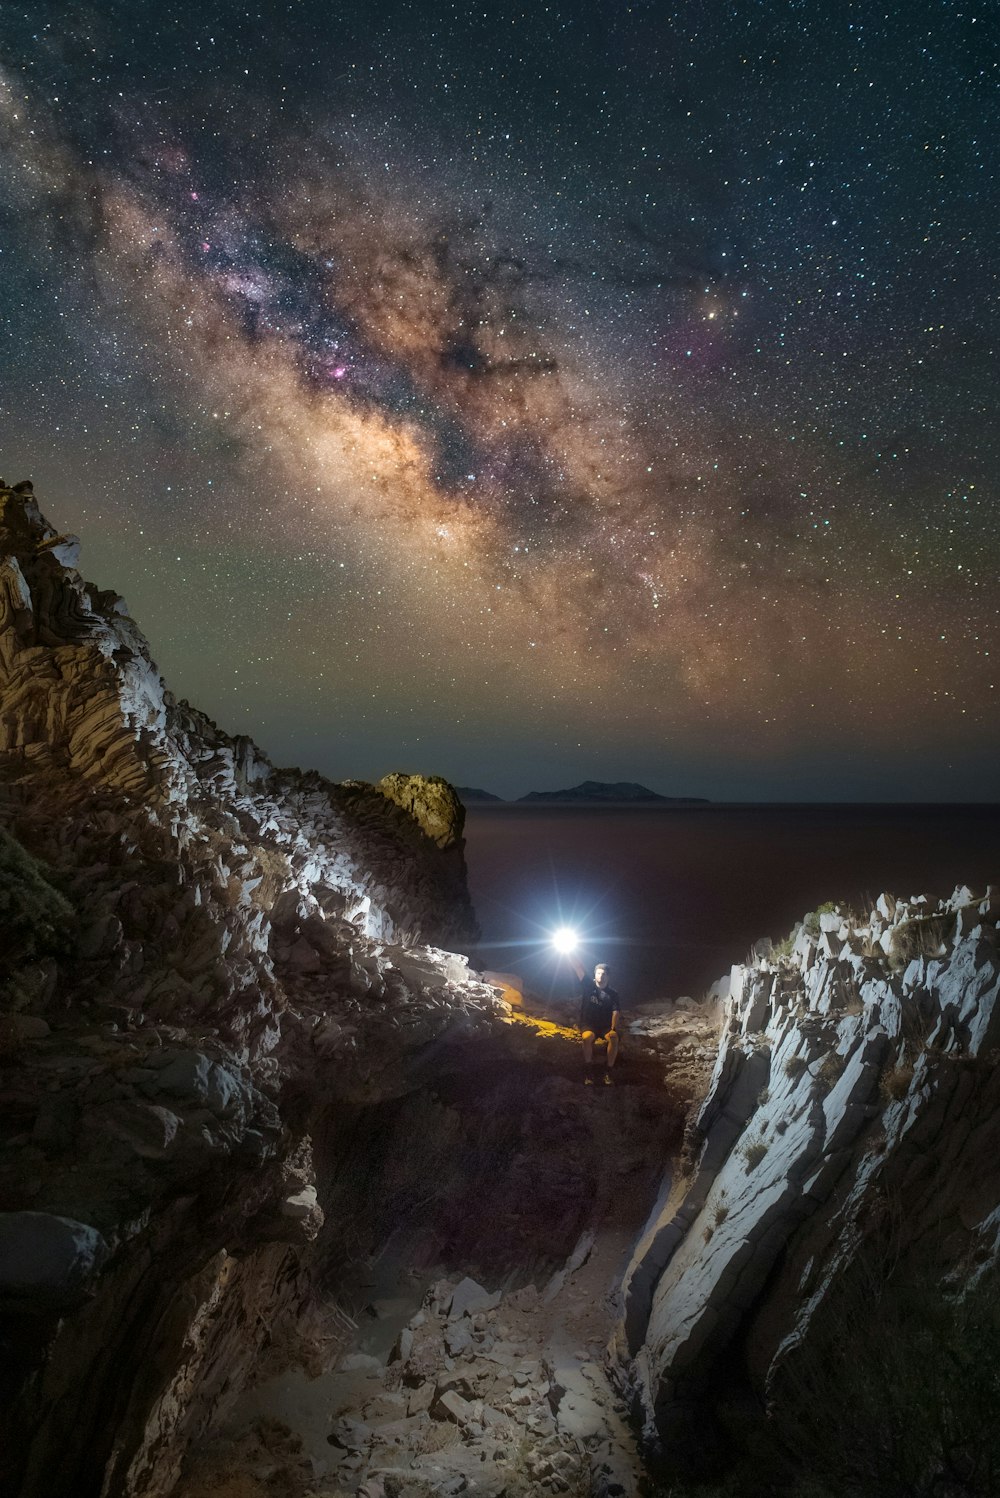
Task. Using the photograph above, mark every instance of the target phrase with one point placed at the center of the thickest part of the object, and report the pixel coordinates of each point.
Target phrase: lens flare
(565, 940)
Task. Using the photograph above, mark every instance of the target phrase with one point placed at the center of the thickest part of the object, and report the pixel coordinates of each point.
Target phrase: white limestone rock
(799, 1082)
(300, 1204)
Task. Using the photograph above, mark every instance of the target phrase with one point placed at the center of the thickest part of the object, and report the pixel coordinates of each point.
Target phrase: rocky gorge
(295, 1202)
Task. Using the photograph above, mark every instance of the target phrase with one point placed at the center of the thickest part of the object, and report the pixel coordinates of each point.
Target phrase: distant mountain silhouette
(468, 793)
(626, 791)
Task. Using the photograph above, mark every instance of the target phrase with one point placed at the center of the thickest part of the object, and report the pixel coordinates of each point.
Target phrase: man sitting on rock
(600, 1018)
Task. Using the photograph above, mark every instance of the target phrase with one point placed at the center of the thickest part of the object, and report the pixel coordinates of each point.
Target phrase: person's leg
(588, 1047)
(613, 1043)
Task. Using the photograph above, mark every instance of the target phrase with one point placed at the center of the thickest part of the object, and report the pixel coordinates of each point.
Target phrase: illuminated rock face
(210, 957)
(100, 765)
(855, 1071)
(431, 801)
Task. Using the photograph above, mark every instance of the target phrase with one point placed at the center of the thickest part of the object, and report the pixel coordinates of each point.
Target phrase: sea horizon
(673, 895)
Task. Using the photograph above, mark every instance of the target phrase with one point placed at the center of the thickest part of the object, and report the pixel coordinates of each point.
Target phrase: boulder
(458, 1339)
(148, 1129)
(193, 1077)
(403, 1346)
(350, 1435)
(421, 1398)
(431, 802)
(300, 1204)
(451, 1406)
(469, 1298)
(360, 1362)
(47, 1262)
(29, 1026)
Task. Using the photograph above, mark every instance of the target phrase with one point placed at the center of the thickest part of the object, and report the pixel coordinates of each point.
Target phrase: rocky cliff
(843, 1179)
(200, 957)
(242, 1071)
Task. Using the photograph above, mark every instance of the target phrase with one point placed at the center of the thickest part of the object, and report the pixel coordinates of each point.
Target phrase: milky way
(526, 394)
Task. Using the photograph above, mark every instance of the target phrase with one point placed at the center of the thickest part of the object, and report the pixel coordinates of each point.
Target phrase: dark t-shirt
(597, 1005)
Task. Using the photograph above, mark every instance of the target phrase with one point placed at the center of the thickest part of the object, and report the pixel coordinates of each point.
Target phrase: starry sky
(526, 393)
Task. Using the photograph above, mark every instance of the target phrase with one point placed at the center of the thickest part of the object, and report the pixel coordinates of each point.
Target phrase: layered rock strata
(238, 1061)
(855, 1096)
(200, 956)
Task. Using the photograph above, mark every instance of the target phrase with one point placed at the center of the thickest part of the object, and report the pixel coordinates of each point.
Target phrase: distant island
(589, 792)
(619, 791)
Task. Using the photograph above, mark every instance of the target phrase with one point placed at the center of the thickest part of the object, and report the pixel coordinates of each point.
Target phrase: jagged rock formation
(236, 1062)
(141, 781)
(855, 1095)
(199, 953)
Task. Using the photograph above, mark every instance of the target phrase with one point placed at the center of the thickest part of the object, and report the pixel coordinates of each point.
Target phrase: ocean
(672, 897)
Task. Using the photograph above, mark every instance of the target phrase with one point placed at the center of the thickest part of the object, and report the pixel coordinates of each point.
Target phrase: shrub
(753, 1153)
(795, 1066)
(784, 948)
(810, 921)
(809, 924)
(924, 936)
(895, 1083)
(831, 1070)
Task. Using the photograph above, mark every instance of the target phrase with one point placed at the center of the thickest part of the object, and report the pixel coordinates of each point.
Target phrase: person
(600, 1018)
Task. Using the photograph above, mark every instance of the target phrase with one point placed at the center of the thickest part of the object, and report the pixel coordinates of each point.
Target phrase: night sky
(526, 393)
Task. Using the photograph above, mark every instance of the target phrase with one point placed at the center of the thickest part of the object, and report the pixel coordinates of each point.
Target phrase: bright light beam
(565, 940)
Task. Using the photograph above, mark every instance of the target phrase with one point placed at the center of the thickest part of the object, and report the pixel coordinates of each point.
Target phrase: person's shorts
(601, 1039)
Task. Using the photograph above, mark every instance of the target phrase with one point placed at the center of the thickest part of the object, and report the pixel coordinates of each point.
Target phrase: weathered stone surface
(351, 1435)
(431, 801)
(46, 1260)
(300, 1204)
(458, 1339)
(819, 1049)
(421, 1398)
(146, 1128)
(469, 1298)
(451, 1406)
(224, 935)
